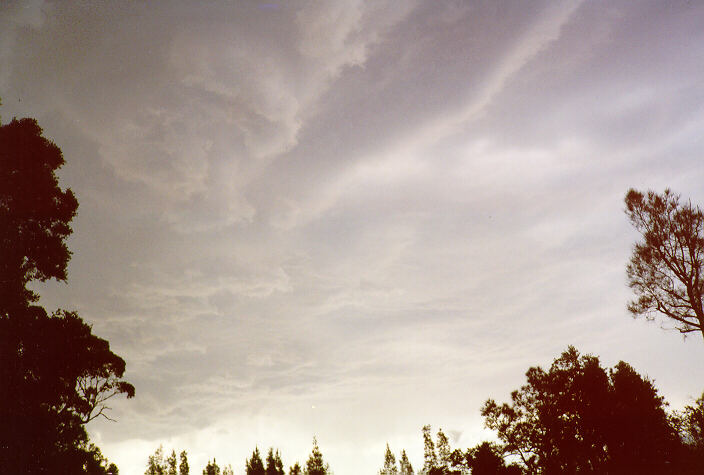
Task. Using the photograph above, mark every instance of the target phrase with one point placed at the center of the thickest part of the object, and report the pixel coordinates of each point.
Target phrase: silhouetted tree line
(576, 417)
(55, 374)
(254, 465)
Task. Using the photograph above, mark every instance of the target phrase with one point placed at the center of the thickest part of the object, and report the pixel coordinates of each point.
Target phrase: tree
(444, 452)
(390, 467)
(171, 468)
(255, 466)
(183, 468)
(579, 417)
(212, 468)
(295, 469)
(155, 463)
(274, 465)
(666, 270)
(47, 393)
(315, 464)
(34, 213)
(228, 470)
(430, 458)
(487, 459)
(440, 463)
(405, 465)
(690, 425)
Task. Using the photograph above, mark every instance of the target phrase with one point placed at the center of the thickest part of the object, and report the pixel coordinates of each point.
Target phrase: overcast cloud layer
(351, 219)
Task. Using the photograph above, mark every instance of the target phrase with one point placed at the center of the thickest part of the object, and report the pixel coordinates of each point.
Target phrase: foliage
(438, 462)
(47, 393)
(157, 464)
(666, 271)
(579, 417)
(295, 469)
(48, 389)
(34, 213)
(212, 468)
(274, 465)
(484, 459)
(389, 467)
(183, 468)
(690, 425)
(255, 466)
(430, 458)
(315, 464)
(405, 467)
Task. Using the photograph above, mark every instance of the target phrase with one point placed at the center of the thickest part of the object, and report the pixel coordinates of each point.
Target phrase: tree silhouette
(690, 425)
(47, 393)
(295, 469)
(255, 466)
(211, 468)
(155, 463)
(315, 464)
(34, 212)
(183, 468)
(666, 270)
(579, 417)
(430, 458)
(389, 467)
(405, 467)
(274, 465)
(171, 464)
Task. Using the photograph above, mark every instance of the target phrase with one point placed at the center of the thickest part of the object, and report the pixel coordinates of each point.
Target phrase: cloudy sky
(350, 219)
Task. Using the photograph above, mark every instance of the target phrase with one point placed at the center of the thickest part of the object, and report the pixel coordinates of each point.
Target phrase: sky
(351, 219)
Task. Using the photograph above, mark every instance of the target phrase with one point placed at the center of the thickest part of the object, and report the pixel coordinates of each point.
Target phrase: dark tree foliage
(56, 375)
(183, 468)
(315, 464)
(34, 212)
(440, 462)
(430, 458)
(157, 464)
(484, 459)
(212, 468)
(295, 469)
(390, 467)
(405, 467)
(579, 417)
(666, 271)
(255, 466)
(690, 425)
(172, 464)
(274, 465)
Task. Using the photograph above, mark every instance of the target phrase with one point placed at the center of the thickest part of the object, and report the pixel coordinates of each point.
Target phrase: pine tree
(389, 463)
(315, 464)
(295, 469)
(171, 468)
(430, 458)
(255, 466)
(444, 451)
(155, 463)
(406, 467)
(274, 465)
(183, 468)
(211, 468)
